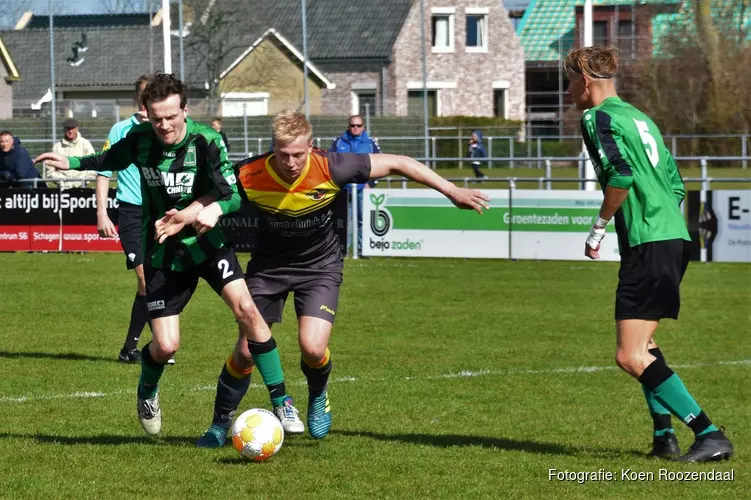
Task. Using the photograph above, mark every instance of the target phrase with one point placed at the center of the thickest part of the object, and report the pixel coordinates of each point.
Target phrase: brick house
(359, 52)
(372, 52)
(8, 75)
(548, 29)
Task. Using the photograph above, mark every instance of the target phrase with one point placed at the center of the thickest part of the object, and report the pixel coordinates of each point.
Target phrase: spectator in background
(72, 144)
(15, 162)
(216, 124)
(476, 150)
(356, 140)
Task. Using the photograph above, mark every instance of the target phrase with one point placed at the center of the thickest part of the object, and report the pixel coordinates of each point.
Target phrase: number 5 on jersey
(650, 145)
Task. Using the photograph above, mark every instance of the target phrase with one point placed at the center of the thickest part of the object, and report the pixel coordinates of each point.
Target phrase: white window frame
(480, 12)
(357, 88)
(239, 97)
(502, 85)
(430, 85)
(449, 12)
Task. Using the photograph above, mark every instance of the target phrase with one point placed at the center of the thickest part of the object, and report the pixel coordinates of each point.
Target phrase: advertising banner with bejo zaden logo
(536, 225)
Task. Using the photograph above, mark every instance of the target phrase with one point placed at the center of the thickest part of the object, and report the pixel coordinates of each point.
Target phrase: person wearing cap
(72, 144)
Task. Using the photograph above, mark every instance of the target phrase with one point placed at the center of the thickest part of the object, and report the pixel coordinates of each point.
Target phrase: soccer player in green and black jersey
(643, 192)
(181, 161)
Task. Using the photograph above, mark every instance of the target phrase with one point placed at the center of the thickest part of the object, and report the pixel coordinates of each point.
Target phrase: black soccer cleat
(132, 356)
(665, 446)
(710, 447)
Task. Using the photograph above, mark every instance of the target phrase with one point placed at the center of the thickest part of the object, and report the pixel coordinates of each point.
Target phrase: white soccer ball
(257, 434)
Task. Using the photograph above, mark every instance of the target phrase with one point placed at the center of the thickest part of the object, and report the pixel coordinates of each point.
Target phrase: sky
(10, 10)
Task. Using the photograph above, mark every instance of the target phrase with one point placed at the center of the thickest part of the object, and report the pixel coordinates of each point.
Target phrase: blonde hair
(288, 125)
(594, 62)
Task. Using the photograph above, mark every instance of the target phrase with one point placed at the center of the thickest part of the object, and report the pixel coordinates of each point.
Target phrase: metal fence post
(674, 146)
(459, 150)
(353, 211)
(511, 152)
(245, 130)
(549, 172)
(434, 152)
(490, 152)
(703, 200)
(60, 216)
(510, 217)
(539, 151)
(744, 151)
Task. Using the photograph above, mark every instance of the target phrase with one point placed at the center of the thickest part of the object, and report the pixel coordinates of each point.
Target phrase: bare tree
(702, 87)
(217, 33)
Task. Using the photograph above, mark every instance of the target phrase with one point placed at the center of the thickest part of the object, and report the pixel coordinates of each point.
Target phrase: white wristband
(601, 222)
(596, 235)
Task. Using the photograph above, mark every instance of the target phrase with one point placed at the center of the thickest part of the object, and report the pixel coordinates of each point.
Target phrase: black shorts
(129, 230)
(649, 280)
(316, 292)
(168, 292)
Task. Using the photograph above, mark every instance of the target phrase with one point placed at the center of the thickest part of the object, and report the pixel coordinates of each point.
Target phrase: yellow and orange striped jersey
(296, 221)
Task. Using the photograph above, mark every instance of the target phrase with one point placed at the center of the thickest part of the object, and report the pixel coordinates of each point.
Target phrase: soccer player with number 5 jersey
(643, 193)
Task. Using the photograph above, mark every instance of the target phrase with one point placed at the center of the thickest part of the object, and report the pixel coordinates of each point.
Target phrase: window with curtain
(477, 26)
(441, 31)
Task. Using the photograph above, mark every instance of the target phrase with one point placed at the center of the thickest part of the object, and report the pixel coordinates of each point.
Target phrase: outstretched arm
(382, 165)
(118, 157)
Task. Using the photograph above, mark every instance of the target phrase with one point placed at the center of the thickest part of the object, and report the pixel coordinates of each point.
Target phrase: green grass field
(452, 379)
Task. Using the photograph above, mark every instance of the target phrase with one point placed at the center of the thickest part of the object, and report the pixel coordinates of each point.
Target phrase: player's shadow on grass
(451, 440)
(105, 440)
(68, 356)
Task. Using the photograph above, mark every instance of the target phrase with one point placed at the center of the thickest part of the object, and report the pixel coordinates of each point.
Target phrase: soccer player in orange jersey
(294, 187)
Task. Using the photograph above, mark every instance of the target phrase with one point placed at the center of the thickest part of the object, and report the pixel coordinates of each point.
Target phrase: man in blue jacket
(356, 140)
(15, 162)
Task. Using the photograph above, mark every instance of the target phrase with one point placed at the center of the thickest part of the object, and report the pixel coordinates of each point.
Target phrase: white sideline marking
(450, 375)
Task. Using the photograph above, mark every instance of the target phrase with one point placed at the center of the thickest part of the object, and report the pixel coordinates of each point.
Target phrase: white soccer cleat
(289, 417)
(150, 415)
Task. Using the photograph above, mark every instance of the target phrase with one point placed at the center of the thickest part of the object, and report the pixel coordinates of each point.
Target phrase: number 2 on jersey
(224, 267)
(650, 145)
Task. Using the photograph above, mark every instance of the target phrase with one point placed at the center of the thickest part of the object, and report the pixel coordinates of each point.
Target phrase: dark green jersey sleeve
(222, 173)
(118, 157)
(604, 137)
(676, 181)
